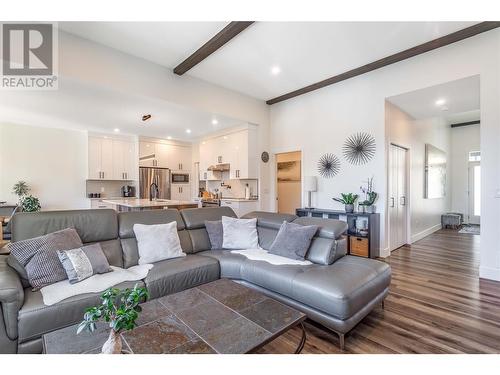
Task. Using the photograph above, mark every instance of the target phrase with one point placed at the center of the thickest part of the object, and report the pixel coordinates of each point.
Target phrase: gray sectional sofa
(337, 290)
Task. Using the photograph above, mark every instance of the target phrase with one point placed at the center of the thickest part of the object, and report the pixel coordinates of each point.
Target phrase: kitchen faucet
(153, 191)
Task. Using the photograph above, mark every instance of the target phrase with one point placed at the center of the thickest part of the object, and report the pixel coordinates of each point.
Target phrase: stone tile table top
(219, 317)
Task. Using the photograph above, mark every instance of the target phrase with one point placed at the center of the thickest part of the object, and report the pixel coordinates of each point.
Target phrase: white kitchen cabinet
(123, 160)
(241, 207)
(100, 158)
(179, 158)
(163, 155)
(238, 149)
(111, 159)
(180, 192)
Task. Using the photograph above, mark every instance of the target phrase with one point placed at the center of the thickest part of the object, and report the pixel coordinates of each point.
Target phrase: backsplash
(237, 188)
(108, 189)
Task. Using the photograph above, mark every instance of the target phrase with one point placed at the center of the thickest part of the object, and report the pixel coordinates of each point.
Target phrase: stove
(210, 202)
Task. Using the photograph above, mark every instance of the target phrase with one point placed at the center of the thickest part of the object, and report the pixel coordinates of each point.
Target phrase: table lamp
(310, 185)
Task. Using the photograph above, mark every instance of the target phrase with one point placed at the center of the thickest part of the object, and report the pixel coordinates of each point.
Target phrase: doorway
(289, 181)
(474, 192)
(398, 196)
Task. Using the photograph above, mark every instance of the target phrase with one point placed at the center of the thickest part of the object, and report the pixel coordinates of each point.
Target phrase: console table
(363, 232)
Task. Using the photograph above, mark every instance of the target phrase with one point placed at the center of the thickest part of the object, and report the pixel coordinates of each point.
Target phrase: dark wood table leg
(302, 339)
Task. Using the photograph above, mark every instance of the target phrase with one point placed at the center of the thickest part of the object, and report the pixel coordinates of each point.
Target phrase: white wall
(89, 62)
(403, 130)
(318, 122)
(463, 140)
(52, 161)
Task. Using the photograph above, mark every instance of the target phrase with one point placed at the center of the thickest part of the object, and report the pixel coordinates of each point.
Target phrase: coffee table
(219, 317)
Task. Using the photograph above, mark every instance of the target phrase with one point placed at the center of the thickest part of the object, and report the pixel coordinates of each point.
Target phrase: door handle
(403, 201)
(392, 202)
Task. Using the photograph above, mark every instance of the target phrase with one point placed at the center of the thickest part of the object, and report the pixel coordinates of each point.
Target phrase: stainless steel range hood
(219, 167)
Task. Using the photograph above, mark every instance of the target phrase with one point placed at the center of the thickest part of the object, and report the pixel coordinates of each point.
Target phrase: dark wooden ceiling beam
(221, 38)
(400, 56)
(468, 123)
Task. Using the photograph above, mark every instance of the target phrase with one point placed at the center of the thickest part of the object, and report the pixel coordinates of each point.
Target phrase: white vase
(113, 345)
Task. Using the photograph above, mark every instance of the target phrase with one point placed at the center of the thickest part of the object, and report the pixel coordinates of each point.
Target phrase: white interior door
(398, 197)
(474, 193)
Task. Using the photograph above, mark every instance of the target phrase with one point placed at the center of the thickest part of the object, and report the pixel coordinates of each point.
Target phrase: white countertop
(239, 200)
(141, 203)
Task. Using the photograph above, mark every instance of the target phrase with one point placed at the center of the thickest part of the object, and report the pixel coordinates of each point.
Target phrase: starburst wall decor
(328, 165)
(359, 148)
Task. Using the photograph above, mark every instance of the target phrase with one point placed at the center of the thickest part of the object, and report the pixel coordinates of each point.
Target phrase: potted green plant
(20, 189)
(30, 204)
(119, 308)
(347, 200)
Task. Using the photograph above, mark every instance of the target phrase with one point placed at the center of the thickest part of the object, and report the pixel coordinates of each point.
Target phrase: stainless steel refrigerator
(161, 176)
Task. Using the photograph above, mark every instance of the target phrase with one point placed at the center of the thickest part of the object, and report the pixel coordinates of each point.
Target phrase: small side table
(4, 249)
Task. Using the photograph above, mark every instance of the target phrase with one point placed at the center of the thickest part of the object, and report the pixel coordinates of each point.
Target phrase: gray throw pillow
(83, 262)
(215, 233)
(293, 240)
(39, 257)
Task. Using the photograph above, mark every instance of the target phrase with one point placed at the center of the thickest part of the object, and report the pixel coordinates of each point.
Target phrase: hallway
(436, 304)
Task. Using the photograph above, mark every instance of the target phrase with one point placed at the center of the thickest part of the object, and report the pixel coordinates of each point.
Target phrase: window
(475, 156)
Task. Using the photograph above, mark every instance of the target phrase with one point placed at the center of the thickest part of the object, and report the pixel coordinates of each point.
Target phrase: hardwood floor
(436, 304)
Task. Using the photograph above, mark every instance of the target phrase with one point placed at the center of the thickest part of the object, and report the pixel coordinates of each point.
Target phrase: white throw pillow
(157, 242)
(239, 233)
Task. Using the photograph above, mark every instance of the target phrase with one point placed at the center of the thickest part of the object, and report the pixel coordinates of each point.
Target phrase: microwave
(180, 178)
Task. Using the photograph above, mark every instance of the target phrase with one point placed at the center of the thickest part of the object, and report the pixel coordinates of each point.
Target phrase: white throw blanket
(63, 289)
(264, 255)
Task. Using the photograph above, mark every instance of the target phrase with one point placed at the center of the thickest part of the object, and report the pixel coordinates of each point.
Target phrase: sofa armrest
(11, 297)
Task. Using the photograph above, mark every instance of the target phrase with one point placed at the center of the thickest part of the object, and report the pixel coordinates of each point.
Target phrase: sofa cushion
(230, 264)
(325, 251)
(92, 225)
(157, 242)
(328, 228)
(126, 221)
(174, 275)
(195, 218)
(343, 288)
(239, 233)
(293, 240)
(35, 318)
(83, 262)
(268, 225)
(215, 233)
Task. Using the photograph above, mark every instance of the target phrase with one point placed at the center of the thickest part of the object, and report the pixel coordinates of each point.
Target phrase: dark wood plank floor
(436, 304)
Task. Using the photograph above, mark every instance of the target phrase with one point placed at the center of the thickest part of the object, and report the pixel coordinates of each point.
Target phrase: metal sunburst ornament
(328, 165)
(359, 148)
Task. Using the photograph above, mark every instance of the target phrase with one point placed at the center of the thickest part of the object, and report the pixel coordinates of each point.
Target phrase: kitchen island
(138, 204)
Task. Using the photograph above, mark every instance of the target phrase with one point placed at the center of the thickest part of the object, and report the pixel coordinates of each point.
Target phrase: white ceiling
(84, 107)
(306, 52)
(461, 101)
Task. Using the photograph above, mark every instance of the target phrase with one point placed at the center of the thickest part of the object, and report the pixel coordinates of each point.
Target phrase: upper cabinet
(238, 149)
(165, 155)
(111, 159)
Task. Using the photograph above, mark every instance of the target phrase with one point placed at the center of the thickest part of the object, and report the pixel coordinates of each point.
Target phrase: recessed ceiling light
(188, 131)
(440, 102)
(214, 121)
(225, 137)
(203, 142)
(116, 130)
(169, 137)
(275, 70)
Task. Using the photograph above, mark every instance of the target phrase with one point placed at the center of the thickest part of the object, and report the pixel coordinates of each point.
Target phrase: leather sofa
(338, 295)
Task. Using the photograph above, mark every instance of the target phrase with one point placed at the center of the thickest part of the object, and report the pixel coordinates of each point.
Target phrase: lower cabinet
(180, 192)
(241, 207)
(99, 204)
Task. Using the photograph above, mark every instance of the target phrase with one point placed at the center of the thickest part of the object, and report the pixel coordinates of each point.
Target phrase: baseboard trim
(384, 253)
(489, 273)
(425, 233)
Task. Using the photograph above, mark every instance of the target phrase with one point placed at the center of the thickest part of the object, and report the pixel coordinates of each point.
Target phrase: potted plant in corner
(119, 308)
(348, 201)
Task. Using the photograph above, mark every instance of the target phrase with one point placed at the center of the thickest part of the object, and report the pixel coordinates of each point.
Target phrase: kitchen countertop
(141, 203)
(240, 199)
